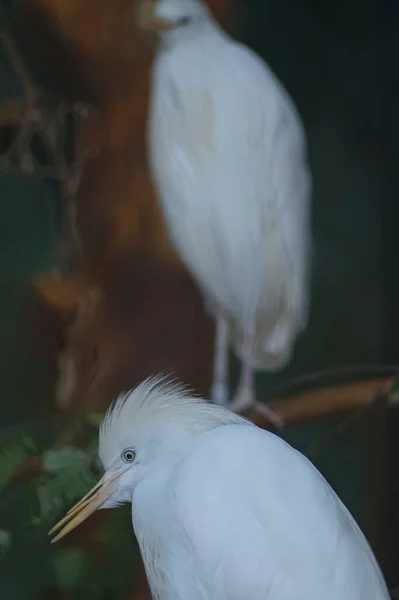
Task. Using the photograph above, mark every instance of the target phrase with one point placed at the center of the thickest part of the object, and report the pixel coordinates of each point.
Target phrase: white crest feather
(158, 398)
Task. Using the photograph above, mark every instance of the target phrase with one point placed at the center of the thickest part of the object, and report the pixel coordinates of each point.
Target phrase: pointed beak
(86, 506)
(146, 18)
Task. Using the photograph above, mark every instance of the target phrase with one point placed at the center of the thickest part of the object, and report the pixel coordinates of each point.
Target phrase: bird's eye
(128, 455)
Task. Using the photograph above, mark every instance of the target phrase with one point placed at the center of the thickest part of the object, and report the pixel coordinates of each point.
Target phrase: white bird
(227, 153)
(223, 510)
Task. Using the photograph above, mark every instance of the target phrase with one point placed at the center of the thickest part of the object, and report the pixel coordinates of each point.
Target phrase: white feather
(245, 516)
(228, 155)
(158, 401)
(224, 510)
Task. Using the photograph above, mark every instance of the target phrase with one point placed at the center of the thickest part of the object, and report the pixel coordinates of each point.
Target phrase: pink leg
(245, 395)
(220, 390)
(244, 398)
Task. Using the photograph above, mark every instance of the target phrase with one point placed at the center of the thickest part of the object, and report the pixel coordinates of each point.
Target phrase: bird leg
(244, 398)
(220, 390)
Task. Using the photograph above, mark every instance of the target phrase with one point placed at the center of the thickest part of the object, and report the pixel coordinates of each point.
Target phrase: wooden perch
(327, 401)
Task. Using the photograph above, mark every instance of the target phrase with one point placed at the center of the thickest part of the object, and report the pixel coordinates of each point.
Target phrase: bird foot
(244, 401)
(268, 414)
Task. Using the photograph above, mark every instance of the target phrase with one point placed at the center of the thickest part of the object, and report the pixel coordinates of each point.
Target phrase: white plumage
(228, 156)
(223, 510)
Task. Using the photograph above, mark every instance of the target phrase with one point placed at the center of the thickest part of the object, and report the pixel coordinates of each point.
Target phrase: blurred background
(93, 298)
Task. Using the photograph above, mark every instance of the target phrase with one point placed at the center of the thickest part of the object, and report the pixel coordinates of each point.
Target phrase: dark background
(340, 63)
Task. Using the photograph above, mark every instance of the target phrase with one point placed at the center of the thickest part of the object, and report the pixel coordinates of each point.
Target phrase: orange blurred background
(129, 308)
(147, 315)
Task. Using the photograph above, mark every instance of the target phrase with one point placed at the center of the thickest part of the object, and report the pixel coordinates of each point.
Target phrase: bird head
(145, 431)
(167, 15)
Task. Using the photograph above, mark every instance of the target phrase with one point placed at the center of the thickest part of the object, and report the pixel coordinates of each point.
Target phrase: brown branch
(327, 401)
(380, 398)
(320, 378)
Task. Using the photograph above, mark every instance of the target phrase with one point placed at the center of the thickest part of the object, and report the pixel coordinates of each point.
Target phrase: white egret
(227, 153)
(223, 510)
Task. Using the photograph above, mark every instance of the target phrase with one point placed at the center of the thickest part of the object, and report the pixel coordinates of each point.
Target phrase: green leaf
(394, 393)
(13, 455)
(29, 444)
(67, 477)
(57, 494)
(64, 458)
(5, 542)
(69, 566)
(95, 418)
(51, 502)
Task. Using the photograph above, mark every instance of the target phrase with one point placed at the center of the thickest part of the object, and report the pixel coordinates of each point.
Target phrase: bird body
(228, 155)
(223, 510)
(243, 515)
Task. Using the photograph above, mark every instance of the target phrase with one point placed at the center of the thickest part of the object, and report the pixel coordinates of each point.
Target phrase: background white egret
(223, 510)
(228, 158)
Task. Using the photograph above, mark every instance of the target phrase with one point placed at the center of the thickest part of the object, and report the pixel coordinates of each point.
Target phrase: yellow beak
(86, 506)
(147, 20)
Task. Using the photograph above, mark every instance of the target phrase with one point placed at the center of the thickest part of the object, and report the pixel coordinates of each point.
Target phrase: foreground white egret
(223, 510)
(228, 157)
